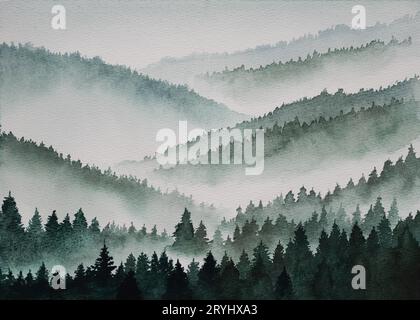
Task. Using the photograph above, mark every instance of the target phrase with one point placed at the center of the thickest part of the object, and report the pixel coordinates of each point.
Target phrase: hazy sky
(137, 33)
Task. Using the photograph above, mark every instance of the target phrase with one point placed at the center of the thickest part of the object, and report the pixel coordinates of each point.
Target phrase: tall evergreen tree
(128, 289)
(244, 265)
(130, 264)
(284, 287)
(177, 286)
(184, 231)
(393, 214)
(104, 266)
(207, 277)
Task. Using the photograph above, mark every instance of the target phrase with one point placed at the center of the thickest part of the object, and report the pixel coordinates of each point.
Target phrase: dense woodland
(37, 70)
(301, 246)
(279, 70)
(294, 271)
(325, 104)
(261, 259)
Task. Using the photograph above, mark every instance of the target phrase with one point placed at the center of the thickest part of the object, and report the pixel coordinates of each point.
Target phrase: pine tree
(323, 282)
(278, 261)
(80, 277)
(80, 224)
(207, 277)
(164, 265)
(200, 237)
(66, 228)
(323, 220)
(35, 229)
(142, 269)
(357, 216)
(244, 265)
(156, 280)
(34, 236)
(259, 278)
(192, 273)
(42, 279)
(284, 287)
(130, 264)
(378, 209)
(385, 233)
(408, 266)
(119, 274)
(341, 217)
(104, 265)
(357, 245)
(224, 261)
(11, 232)
(229, 282)
(94, 228)
(10, 218)
(299, 262)
(177, 286)
(393, 214)
(261, 252)
(184, 231)
(52, 230)
(129, 290)
(217, 242)
(372, 243)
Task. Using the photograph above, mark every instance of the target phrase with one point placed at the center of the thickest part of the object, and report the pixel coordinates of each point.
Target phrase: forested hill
(372, 65)
(331, 104)
(396, 180)
(66, 184)
(182, 69)
(278, 71)
(27, 69)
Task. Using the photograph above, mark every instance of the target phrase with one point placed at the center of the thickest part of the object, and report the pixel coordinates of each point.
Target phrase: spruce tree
(244, 265)
(192, 272)
(104, 266)
(278, 261)
(177, 286)
(229, 282)
(200, 237)
(184, 232)
(207, 277)
(284, 287)
(393, 214)
(142, 269)
(128, 289)
(130, 264)
(385, 233)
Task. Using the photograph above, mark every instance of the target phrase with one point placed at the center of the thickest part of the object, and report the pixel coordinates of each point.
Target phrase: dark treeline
(376, 123)
(400, 178)
(63, 241)
(394, 123)
(391, 259)
(37, 69)
(325, 104)
(292, 67)
(28, 151)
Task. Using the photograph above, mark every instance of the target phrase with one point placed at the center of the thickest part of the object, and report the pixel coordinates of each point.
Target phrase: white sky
(137, 33)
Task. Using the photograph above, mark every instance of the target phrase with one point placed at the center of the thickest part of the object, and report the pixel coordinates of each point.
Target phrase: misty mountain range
(183, 70)
(346, 108)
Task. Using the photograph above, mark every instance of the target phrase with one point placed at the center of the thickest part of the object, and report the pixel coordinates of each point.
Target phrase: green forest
(391, 257)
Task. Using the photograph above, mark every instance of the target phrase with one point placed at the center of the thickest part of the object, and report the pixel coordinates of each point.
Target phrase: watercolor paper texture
(209, 149)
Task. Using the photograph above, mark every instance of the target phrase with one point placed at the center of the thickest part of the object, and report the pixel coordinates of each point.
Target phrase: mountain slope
(183, 70)
(317, 153)
(256, 91)
(40, 176)
(98, 112)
